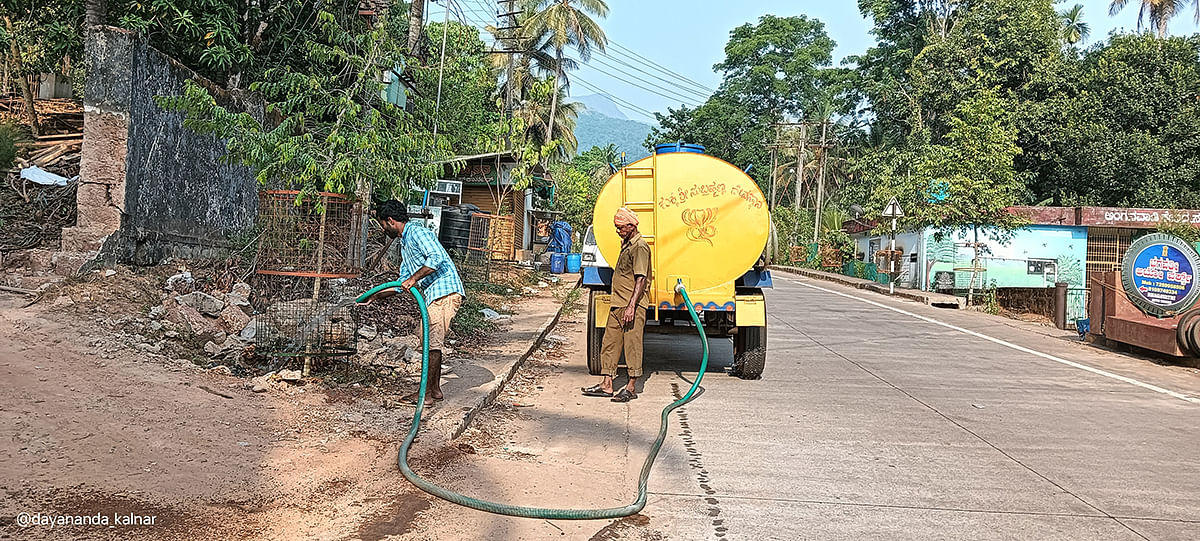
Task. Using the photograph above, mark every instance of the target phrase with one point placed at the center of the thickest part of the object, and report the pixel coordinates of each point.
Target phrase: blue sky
(688, 37)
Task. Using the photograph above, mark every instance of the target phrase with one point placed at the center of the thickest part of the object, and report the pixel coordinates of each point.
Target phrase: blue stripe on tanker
(700, 307)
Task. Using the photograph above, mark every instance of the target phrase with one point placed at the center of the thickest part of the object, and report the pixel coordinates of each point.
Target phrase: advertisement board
(1158, 273)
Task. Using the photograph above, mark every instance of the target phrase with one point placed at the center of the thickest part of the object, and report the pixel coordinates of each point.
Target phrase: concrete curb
(498, 384)
(924, 297)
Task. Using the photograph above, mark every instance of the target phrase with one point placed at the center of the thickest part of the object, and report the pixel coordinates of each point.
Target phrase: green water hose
(535, 512)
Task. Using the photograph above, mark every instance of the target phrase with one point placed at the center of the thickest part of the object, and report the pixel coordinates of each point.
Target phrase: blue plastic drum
(558, 263)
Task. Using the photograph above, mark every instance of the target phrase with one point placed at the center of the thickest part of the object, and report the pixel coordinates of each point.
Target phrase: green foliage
(598, 163)
(776, 69)
(972, 168)
(468, 114)
(47, 36)
(336, 133)
(10, 133)
(792, 227)
(840, 241)
(1182, 228)
(469, 321)
(206, 35)
(575, 197)
(1128, 130)
(628, 136)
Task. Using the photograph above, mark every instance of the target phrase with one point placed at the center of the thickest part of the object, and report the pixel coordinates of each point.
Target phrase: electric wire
(633, 108)
(676, 93)
(703, 95)
(627, 51)
(690, 103)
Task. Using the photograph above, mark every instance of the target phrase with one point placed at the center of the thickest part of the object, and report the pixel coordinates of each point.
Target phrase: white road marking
(1022, 349)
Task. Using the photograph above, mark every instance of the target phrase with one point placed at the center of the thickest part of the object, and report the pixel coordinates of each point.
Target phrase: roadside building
(1060, 244)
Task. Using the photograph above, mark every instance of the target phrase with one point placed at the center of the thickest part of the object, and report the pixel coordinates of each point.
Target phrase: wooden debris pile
(57, 153)
(54, 116)
(32, 215)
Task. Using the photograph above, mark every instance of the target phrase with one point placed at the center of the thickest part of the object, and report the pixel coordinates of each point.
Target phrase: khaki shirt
(634, 261)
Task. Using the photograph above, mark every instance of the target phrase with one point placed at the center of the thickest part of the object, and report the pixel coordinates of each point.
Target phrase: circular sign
(1159, 274)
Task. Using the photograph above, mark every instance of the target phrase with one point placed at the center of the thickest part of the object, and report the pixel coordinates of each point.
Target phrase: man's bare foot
(411, 398)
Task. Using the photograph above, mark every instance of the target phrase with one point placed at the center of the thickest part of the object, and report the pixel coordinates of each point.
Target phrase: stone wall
(149, 187)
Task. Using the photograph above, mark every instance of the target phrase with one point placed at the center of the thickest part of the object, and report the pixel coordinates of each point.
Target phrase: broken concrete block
(239, 295)
(181, 283)
(203, 302)
(232, 319)
(250, 331)
(290, 376)
(199, 325)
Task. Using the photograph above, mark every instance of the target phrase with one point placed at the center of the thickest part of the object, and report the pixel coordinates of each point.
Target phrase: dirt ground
(92, 426)
(541, 444)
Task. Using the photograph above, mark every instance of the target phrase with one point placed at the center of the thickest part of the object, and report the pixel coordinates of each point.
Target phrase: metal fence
(1077, 304)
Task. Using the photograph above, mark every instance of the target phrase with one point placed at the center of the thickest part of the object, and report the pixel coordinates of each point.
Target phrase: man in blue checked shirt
(427, 266)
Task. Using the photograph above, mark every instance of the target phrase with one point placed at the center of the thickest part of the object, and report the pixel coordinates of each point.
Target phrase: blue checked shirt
(420, 248)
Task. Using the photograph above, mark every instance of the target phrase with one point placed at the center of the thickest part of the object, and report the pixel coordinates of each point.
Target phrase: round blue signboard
(1159, 274)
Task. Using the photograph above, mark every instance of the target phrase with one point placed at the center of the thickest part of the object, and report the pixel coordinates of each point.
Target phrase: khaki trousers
(626, 338)
(441, 312)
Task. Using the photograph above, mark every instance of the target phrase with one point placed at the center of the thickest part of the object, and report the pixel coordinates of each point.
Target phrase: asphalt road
(877, 424)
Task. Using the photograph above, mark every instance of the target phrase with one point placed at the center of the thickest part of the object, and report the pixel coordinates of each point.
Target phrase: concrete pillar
(1060, 305)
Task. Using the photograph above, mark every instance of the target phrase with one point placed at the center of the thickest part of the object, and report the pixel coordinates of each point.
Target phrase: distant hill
(602, 105)
(603, 123)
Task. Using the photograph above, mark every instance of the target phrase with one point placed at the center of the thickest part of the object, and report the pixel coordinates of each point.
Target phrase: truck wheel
(749, 352)
(595, 337)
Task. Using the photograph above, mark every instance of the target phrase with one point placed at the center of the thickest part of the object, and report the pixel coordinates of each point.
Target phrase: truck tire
(1184, 334)
(595, 336)
(749, 352)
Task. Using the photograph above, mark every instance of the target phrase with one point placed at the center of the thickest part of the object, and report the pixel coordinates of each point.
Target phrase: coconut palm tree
(1074, 29)
(1160, 12)
(536, 109)
(95, 13)
(536, 63)
(567, 23)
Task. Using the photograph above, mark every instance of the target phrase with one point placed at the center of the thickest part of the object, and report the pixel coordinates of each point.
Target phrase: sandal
(596, 390)
(411, 400)
(624, 396)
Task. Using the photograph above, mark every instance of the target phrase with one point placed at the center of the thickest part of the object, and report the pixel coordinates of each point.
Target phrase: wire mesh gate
(309, 247)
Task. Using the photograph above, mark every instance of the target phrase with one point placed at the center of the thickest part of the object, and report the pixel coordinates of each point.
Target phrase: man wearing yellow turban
(627, 315)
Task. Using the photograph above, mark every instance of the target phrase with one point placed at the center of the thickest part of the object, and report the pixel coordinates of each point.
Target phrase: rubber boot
(435, 374)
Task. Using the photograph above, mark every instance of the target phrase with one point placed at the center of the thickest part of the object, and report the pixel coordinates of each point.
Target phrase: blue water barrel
(558, 263)
(574, 262)
(668, 148)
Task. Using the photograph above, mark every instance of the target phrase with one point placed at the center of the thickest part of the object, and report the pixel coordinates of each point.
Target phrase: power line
(655, 92)
(704, 95)
(664, 69)
(619, 101)
(678, 93)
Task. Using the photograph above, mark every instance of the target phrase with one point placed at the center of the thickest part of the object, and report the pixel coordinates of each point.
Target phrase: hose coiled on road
(535, 512)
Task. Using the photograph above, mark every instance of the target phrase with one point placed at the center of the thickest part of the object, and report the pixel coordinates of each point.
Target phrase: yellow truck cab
(707, 225)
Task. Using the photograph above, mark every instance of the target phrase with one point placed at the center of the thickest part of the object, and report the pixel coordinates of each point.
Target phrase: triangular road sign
(892, 210)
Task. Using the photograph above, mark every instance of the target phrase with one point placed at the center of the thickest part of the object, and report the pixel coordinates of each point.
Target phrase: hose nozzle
(679, 286)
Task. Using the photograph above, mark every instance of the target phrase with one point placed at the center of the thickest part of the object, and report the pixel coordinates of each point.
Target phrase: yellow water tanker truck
(707, 225)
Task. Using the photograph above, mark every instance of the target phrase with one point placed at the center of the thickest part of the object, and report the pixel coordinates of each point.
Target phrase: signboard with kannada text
(1159, 274)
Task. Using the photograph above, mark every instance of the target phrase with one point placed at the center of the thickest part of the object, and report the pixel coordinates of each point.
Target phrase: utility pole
(824, 149)
(508, 13)
(801, 157)
(774, 168)
(784, 130)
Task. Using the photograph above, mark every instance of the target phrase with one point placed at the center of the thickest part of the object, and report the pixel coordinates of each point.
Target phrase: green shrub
(10, 133)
